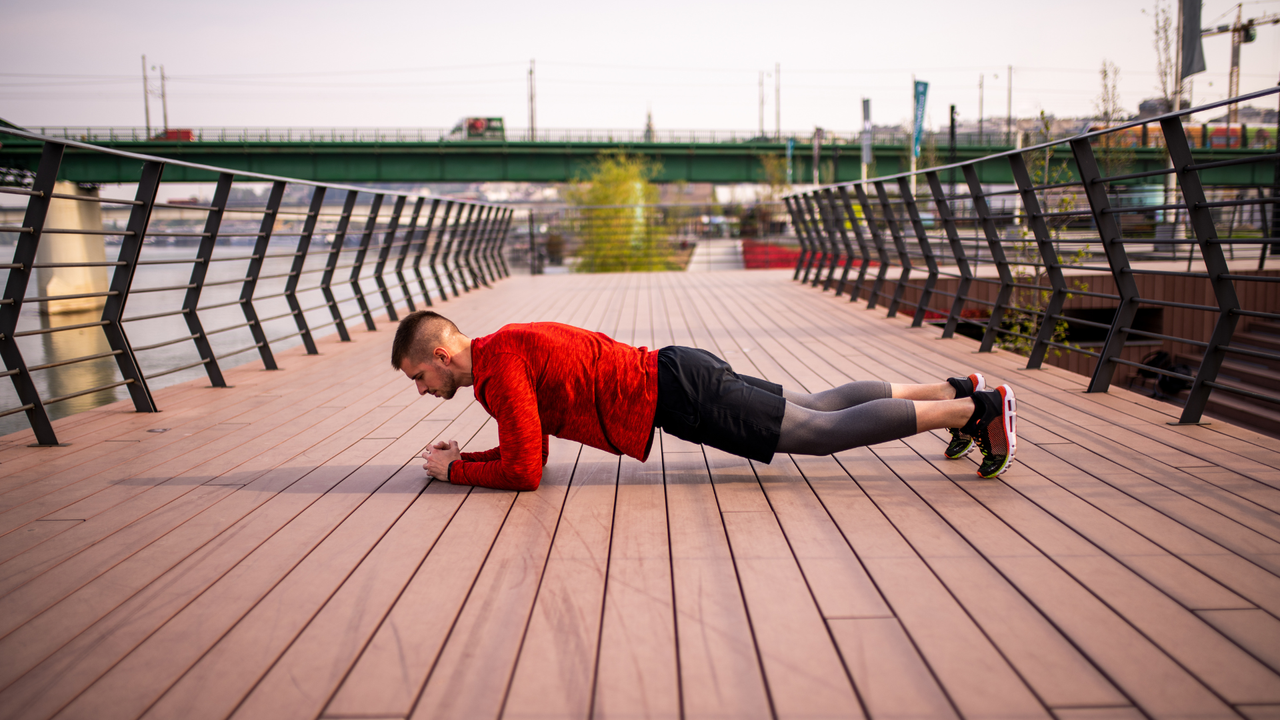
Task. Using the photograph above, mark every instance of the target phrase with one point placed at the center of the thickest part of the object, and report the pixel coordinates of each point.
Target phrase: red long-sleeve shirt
(541, 379)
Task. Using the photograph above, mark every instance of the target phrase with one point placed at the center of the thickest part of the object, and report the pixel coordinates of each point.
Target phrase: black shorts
(702, 400)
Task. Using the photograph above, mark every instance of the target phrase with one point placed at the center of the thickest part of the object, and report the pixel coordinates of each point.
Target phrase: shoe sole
(1009, 410)
(981, 384)
(968, 450)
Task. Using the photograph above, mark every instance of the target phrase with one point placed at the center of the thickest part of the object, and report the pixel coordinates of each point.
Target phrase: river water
(223, 285)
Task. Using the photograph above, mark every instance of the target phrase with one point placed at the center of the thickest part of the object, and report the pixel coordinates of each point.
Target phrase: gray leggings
(849, 416)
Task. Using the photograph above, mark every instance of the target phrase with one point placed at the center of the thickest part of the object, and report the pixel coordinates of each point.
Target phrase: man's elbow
(527, 483)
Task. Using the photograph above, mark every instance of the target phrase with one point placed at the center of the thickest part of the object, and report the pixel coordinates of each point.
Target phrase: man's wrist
(448, 472)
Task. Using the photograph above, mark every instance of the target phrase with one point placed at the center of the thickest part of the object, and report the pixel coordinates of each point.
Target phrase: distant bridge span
(402, 156)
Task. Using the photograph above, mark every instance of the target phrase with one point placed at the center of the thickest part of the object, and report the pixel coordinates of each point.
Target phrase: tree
(1112, 151)
(1031, 297)
(774, 169)
(1163, 31)
(616, 221)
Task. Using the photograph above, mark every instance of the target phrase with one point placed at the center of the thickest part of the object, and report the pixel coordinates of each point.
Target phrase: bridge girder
(496, 161)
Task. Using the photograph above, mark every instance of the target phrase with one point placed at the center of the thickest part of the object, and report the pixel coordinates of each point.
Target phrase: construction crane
(1243, 31)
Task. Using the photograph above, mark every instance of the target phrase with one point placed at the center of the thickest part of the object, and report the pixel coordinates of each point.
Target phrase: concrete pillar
(68, 248)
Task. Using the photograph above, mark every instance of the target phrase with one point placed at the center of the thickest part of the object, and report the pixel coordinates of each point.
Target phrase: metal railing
(1079, 221)
(275, 273)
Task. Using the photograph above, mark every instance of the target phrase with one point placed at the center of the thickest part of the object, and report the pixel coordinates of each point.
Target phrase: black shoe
(996, 431)
(962, 445)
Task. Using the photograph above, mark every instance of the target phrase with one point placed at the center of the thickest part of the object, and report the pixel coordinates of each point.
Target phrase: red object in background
(176, 134)
(758, 255)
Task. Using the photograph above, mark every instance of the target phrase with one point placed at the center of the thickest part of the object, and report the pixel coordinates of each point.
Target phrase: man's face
(431, 376)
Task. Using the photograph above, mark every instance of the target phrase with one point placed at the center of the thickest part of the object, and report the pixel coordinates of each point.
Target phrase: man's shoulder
(529, 335)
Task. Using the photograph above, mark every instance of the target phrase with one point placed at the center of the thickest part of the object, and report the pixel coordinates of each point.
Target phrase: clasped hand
(438, 457)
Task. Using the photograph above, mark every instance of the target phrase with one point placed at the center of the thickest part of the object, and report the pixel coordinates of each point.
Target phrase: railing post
(502, 243)
(1224, 291)
(485, 250)
(474, 246)
(863, 250)
(983, 212)
(1048, 254)
(460, 246)
(819, 257)
(365, 239)
(838, 221)
(957, 249)
(878, 238)
(435, 250)
(828, 229)
(122, 280)
(24, 256)
(384, 253)
(487, 253)
(295, 270)
(926, 250)
(422, 249)
(199, 271)
(1109, 234)
(448, 250)
(801, 235)
(404, 254)
(331, 264)
(899, 244)
(491, 247)
(255, 269)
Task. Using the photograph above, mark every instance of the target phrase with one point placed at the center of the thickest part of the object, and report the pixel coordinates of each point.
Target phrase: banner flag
(1192, 47)
(922, 90)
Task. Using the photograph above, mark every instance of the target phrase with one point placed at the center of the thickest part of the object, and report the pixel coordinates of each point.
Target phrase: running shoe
(997, 431)
(962, 444)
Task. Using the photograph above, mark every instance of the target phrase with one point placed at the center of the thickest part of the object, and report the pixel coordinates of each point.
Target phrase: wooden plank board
(556, 670)
(302, 681)
(62, 669)
(720, 673)
(891, 678)
(473, 672)
(637, 672)
(978, 679)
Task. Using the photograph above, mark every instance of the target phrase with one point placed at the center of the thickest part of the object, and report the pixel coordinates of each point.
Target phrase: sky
(603, 65)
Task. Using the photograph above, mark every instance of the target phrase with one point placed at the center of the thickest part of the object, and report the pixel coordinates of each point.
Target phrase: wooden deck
(273, 551)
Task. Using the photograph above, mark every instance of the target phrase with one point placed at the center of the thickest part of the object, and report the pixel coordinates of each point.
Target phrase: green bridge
(401, 157)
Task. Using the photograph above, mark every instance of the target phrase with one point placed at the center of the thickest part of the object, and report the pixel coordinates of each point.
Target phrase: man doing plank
(540, 379)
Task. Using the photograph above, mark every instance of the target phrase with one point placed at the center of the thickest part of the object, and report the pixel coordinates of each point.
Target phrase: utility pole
(533, 113)
(817, 154)
(164, 102)
(761, 103)
(981, 79)
(952, 158)
(1234, 84)
(777, 99)
(146, 96)
(1177, 69)
(1008, 112)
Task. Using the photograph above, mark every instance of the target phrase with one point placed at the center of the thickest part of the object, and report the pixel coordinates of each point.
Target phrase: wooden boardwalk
(273, 550)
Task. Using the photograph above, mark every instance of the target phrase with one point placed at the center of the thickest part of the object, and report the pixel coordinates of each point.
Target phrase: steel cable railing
(241, 277)
(1159, 272)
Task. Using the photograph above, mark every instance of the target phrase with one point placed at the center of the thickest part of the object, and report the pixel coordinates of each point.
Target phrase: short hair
(420, 333)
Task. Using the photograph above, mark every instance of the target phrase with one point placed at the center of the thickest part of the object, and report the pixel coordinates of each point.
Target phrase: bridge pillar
(72, 248)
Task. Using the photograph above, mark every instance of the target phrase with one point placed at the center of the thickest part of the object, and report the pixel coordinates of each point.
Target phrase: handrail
(1083, 194)
(319, 240)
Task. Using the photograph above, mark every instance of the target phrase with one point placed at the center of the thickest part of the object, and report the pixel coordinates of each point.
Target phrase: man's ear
(442, 354)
